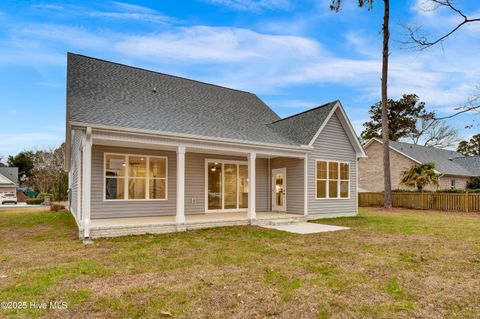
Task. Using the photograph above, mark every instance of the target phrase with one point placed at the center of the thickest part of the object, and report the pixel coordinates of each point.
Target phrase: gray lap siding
(194, 185)
(332, 144)
(294, 182)
(101, 208)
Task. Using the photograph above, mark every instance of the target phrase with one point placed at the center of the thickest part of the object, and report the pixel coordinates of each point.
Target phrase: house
(149, 152)
(455, 168)
(8, 180)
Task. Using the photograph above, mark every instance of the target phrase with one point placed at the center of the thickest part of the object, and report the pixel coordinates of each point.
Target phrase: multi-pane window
(133, 177)
(332, 179)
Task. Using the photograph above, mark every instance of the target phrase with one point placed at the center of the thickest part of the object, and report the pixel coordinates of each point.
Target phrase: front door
(279, 200)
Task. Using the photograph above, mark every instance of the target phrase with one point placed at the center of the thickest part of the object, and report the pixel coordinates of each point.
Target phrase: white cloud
(132, 7)
(218, 45)
(48, 6)
(12, 143)
(263, 63)
(147, 17)
(253, 5)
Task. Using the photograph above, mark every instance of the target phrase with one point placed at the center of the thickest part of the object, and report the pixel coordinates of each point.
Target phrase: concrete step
(276, 222)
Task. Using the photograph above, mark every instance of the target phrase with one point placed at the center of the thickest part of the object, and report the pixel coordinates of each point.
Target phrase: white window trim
(147, 183)
(328, 179)
(223, 161)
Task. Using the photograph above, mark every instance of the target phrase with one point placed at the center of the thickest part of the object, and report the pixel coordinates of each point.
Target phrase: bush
(410, 191)
(56, 207)
(473, 183)
(43, 195)
(36, 201)
(447, 190)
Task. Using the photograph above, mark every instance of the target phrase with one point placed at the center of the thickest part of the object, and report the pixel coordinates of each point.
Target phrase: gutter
(187, 137)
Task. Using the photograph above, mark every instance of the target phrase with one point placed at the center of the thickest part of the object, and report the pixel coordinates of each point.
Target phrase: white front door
(279, 187)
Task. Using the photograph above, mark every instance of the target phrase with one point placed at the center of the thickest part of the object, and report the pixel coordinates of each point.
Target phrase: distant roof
(4, 181)
(8, 175)
(112, 94)
(443, 159)
(471, 163)
(302, 127)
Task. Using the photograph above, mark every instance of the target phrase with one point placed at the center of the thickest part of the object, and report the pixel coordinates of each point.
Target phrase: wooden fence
(464, 202)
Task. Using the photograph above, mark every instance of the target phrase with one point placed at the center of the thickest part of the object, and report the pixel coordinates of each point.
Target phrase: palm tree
(419, 176)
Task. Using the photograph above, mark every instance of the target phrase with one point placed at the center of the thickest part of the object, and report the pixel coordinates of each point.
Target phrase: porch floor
(112, 227)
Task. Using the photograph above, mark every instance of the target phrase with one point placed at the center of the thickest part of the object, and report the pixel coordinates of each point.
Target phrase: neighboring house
(165, 151)
(8, 180)
(455, 168)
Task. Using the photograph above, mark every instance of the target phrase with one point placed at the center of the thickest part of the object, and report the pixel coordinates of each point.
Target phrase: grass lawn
(397, 264)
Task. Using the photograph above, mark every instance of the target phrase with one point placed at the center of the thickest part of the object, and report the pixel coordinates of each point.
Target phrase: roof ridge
(157, 72)
(306, 111)
(427, 147)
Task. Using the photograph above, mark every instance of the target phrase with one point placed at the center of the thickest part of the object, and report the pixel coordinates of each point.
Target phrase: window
(452, 184)
(321, 179)
(332, 179)
(135, 177)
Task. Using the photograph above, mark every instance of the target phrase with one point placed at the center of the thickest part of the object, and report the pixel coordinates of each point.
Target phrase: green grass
(389, 264)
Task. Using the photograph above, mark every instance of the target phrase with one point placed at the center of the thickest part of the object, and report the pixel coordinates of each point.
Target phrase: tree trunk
(385, 131)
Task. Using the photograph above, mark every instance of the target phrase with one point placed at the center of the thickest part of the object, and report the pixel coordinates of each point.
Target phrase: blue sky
(293, 54)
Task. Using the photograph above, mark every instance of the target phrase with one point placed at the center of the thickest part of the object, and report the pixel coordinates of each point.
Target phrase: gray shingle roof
(443, 159)
(8, 175)
(471, 163)
(107, 93)
(302, 127)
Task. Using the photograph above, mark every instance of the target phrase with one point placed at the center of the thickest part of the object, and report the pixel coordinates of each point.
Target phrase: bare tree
(336, 6)
(421, 42)
(433, 133)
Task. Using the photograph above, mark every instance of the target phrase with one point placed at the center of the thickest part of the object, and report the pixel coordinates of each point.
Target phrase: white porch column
(86, 181)
(252, 215)
(180, 219)
(305, 185)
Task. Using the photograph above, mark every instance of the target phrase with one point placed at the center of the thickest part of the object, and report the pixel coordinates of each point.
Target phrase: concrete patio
(113, 227)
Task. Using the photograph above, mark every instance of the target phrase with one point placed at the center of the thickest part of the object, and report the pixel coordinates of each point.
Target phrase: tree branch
(422, 42)
(464, 110)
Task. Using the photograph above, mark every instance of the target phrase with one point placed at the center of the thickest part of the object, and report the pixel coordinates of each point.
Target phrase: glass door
(230, 190)
(279, 189)
(227, 185)
(243, 186)
(214, 191)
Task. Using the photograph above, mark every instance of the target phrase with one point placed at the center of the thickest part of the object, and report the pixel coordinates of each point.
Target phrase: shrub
(473, 183)
(43, 195)
(36, 201)
(56, 207)
(410, 191)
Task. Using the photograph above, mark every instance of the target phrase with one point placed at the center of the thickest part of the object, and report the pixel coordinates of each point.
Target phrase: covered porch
(202, 185)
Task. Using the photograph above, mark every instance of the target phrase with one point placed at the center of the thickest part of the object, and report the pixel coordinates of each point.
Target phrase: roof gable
(302, 127)
(9, 175)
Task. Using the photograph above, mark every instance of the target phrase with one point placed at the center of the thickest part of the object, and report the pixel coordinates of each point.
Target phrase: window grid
(341, 170)
(127, 177)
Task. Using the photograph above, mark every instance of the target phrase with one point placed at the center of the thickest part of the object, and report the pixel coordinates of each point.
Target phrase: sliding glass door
(227, 185)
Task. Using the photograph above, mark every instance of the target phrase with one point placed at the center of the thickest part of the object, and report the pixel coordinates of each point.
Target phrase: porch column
(252, 215)
(305, 184)
(87, 181)
(180, 219)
